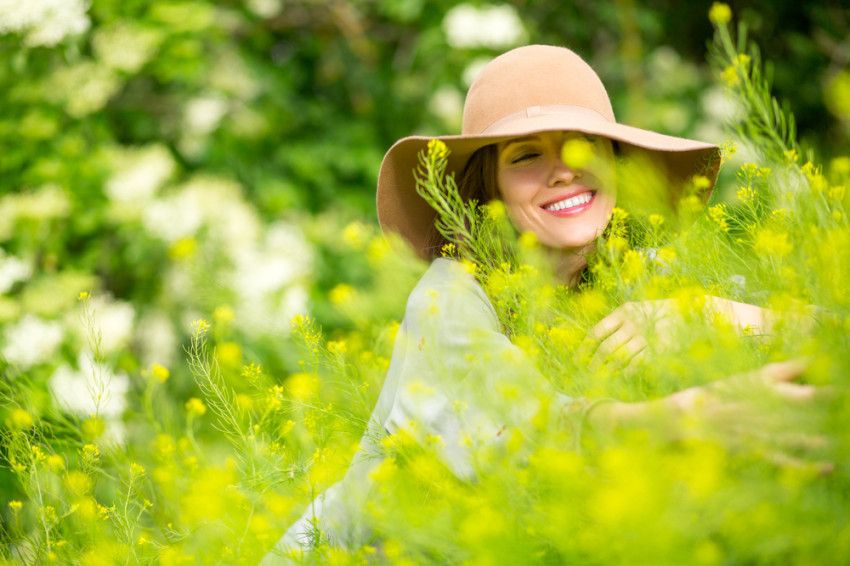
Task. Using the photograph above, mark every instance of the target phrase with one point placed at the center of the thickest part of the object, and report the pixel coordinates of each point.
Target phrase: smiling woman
(540, 136)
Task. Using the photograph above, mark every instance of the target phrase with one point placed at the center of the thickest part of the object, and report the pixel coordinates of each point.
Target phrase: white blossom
(485, 26)
(139, 173)
(31, 341)
(202, 115)
(111, 323)
(156, 338)
(12, 270)
(44, 22)
(93, 388)
(124, 46)
(447, 104)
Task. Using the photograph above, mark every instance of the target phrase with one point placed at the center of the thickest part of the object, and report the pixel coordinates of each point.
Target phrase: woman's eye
(524, 156)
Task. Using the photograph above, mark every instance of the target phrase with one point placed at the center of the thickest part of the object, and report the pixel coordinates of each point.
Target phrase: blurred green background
(181, 160)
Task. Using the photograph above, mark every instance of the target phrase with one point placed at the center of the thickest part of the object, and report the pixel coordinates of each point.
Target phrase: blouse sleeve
(462, 383)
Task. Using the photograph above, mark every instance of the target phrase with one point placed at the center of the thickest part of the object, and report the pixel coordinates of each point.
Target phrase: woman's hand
(758, 410)
(621, 337)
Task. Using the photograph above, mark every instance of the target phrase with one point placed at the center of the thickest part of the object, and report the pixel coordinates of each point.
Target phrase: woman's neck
(569, 264)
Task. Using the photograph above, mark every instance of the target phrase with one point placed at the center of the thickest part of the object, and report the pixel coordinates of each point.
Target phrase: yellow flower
(15, 505)
(20, 419)
(495, 210)
(355, 235)
(633, 265)
(229, 354)
(195, 407)
(469, 267)
(772, 243)
(656, 219)
(720, 13)
(200, 327)
(252, 371)
(78, 483)
(840, 165)
(729, 75)
(337, 347)
(448, 250)
(184, 248)
(437, 149)
(56, 462)
(302, 386)
(717, 213)
(791, 155)
(577, 153)
(91, 453)
(160, 373)
(83, 296)
(341, 294)
(136, 470)
(746, 194)
(223, 314)
(528, 240)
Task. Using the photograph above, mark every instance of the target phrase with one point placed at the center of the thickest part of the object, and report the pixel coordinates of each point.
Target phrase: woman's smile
(566, 207)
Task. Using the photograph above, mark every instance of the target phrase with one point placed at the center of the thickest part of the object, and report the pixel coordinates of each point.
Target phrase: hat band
(532, 111)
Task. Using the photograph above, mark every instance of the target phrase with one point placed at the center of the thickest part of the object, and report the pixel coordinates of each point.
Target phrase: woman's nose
(561, 174)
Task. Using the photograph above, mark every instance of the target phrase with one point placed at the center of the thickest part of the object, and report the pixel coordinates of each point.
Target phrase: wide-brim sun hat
(530, 89)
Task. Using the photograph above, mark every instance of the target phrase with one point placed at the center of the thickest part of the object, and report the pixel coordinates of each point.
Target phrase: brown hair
(478, 181)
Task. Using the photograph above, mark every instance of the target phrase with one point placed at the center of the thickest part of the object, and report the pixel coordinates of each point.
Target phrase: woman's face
(566, 208)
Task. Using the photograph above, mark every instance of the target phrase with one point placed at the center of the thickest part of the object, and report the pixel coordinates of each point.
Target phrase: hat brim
(402, 210)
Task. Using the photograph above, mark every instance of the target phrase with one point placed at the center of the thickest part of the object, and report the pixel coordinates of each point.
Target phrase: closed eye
(524, 156)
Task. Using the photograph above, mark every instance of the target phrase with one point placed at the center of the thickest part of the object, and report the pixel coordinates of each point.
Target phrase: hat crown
(530, 76)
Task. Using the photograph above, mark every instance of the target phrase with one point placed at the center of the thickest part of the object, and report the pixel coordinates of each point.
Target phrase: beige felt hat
(529, 89)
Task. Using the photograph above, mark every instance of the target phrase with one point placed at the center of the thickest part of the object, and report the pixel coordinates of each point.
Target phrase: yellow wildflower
(355, 235)
(720, 14)
(229, 354)
(182, 249)
(302, 386)
(437, 148)
(791, 155)
(772, 243)
(78, 483)
(729, 75)
(717, 213)
(577, 153)
(83, 296)
(224, 314)
(656, 220)
(379, 248)
(93, 427)
(160, 372)
(341, 294)
(840, 165)
(495, 210)
(56, 462)
(136, 470)
(448, 250)
(469, 267)
(20, 419)
(836, 193)
(633, 265)
(91, 453)
(746, 194)
(195, 407)
(528, 240)
(337, 347)
(15, 505)
(200, 327)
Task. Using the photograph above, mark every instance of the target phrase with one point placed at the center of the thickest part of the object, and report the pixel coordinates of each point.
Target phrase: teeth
(570, 202)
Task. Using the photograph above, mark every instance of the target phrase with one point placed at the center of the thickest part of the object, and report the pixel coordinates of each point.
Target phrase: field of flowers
(197, 309)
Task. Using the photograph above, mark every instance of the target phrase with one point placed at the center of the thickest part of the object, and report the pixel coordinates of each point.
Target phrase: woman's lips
(570, 205)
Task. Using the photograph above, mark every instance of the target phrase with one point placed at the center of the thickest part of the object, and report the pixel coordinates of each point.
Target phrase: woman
(522, 109)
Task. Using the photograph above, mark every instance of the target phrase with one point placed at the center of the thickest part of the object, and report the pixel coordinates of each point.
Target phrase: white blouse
(453, 375)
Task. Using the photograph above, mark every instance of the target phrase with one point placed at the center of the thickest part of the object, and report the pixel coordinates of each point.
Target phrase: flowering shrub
(192, 419)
